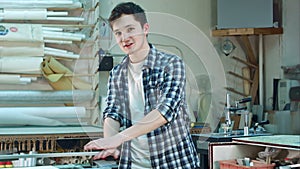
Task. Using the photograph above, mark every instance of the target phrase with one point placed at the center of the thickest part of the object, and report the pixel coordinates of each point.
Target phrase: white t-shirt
(139, 146)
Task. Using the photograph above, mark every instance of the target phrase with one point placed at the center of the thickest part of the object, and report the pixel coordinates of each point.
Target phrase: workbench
(241, 147)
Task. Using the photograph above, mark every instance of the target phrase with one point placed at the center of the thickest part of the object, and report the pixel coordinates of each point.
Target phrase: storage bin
(200, 130)
(232, 164)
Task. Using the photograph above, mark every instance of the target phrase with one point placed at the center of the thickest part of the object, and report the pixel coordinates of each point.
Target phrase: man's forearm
(150, 122)
(111, 127)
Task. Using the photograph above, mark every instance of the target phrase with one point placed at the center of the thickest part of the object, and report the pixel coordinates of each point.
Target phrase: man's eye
(117, 33)
(130, 29)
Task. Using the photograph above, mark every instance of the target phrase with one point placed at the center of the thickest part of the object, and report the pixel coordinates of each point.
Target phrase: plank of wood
(246, 31)
(235, 91)
(241, 77)
(254, 66)
(246, 84)
(254, 87)
(249, 50)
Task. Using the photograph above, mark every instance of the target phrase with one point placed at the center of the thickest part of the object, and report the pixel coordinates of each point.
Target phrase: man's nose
(125, 36)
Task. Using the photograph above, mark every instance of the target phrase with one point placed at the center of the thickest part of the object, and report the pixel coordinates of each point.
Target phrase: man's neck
(139, 56)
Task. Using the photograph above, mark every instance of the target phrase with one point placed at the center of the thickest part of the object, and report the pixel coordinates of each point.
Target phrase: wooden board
(247, 31)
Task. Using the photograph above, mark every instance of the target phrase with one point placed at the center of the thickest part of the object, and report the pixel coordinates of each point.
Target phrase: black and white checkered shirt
(164, 79)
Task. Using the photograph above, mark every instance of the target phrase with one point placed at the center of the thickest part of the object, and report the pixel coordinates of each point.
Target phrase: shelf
(253, 62)
(276, 141)
(246, 31)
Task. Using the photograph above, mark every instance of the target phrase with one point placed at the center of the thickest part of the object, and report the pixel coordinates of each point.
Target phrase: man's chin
(129, 52)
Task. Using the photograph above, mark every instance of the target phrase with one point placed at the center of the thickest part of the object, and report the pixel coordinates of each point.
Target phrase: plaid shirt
(170, 145)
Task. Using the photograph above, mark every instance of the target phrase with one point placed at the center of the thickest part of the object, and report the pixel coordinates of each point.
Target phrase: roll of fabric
(21, 65)
(41, 116)
(14, 79)
(24, 14)
(21, 40)
(47, 112)
(72, 4)
(45, 96)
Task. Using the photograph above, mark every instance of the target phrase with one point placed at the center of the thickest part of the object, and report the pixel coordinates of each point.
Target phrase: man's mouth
(127, 45)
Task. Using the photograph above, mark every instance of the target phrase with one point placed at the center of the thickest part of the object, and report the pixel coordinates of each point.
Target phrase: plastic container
(232, 164)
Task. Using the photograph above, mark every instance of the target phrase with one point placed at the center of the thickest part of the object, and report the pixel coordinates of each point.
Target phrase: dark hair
(128, 8)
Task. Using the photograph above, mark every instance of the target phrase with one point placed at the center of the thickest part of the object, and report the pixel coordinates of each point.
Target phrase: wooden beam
(241, 77)
(249, 50)
(254, 87)
(235, 91)
(247, 31)
(246, 84)
(254, 66)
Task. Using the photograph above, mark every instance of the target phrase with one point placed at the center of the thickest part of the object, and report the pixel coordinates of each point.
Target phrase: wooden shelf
(252, 61)
(246, 31)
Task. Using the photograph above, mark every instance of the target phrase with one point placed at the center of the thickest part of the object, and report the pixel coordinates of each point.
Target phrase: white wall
(191, 38)
(291, 36)
(282, 50)
(184, 28)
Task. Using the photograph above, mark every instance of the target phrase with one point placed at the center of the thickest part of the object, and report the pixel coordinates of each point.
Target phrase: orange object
(8, 164)
(2, 164)
(232, 164)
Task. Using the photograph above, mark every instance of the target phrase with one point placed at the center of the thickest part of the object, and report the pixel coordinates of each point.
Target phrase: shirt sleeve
(112, 101)
(173, 89)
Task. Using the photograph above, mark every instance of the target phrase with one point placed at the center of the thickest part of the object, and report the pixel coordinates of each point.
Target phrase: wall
(175, 28)
(291, 37)
(282, 50)
(191, 38)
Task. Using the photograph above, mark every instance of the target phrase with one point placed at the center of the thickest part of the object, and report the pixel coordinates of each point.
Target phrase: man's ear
(146, 28)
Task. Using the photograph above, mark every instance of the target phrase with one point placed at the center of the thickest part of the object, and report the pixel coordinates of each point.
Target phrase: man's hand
(108, 152)
(105, 143)
(108, 146)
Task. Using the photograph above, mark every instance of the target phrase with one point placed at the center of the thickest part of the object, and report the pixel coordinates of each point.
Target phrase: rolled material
(71, 4)
(36, 14)
(23, 14)
(17, 32)
(63, 35)
(41, 116)
(61, 54)
(54, 72)
(47, 112)
(22, 40)
(70, 19)
(58, 41)
(28, 65)
(45, 155)
(14, 79)
(46, 97)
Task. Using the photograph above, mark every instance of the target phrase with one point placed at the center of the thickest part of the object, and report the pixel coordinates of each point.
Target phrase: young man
(146, 109)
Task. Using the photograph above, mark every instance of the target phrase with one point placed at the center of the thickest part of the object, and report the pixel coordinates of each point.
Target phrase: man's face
(129, 34)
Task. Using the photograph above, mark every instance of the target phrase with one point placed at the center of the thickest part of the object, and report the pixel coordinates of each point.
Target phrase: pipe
(73, 19)
(44, 155)
(261, 71)
(21, 2)
(57, 41)
(41, 4)
(60, 54)
(45, 96)
(62, 112)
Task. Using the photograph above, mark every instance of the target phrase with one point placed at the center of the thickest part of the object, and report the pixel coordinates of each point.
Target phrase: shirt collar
(149, 61)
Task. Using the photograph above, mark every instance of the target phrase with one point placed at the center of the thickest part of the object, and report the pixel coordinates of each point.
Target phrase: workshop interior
(242, 66)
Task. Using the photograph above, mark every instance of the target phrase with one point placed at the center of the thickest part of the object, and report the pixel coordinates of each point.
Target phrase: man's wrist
(123, 137)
